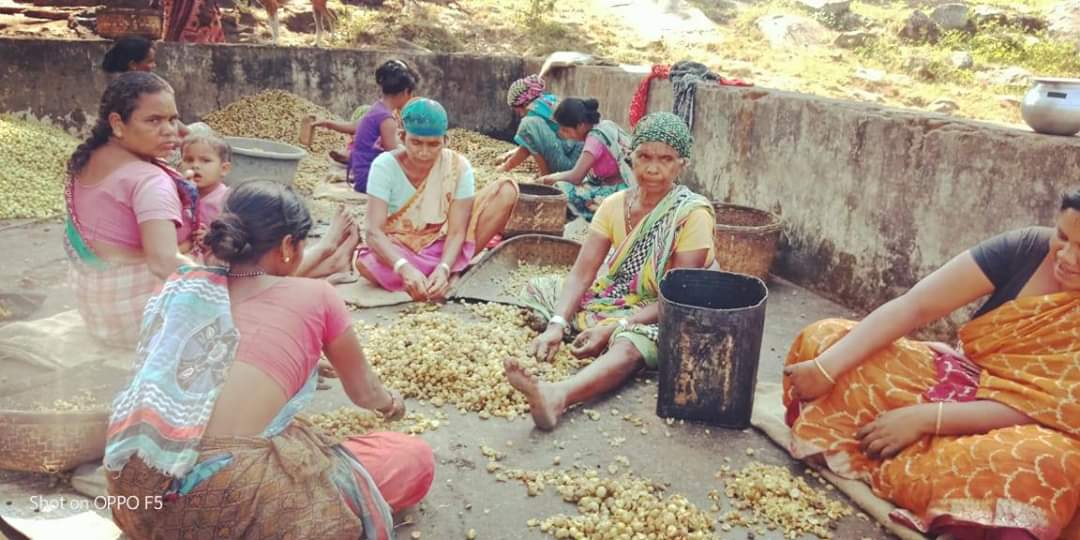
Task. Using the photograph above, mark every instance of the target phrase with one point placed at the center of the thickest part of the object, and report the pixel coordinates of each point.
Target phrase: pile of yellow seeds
(348, 421)
(776, 499)
(276, 115)
(33, 158)
(483, 153)
(609, 508)
(443, 358)
(484, 150)
(514, 283)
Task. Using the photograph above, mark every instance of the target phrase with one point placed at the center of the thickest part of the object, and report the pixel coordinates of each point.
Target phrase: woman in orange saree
(980, 442)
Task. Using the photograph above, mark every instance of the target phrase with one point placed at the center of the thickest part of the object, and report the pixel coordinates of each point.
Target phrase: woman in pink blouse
(127, 212)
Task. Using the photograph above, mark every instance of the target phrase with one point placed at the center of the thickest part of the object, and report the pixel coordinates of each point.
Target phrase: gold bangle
(823, 372)
(937, 425)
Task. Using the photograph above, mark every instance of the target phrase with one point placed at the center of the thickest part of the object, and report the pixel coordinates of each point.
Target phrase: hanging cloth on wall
(685, 76)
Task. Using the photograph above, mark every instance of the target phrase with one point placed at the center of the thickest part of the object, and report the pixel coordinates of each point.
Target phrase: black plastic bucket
(711, 325)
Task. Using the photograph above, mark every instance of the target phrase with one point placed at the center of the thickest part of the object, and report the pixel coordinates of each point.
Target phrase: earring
(287, 259)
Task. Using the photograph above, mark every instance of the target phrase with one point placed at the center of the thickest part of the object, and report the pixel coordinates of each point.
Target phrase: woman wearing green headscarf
(654, 227)
(538, 133)
(425, 218)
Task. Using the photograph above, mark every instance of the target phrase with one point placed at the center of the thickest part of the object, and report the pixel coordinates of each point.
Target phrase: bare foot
(342, 259)
(544, 403)
(340, 225)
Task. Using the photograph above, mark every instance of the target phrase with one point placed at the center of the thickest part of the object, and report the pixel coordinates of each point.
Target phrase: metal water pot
(1052, 106)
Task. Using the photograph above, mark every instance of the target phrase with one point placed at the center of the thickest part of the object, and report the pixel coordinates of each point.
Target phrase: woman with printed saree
(979, 442)
(425, 218)
(129, 215)
(611, 300)
(538, 132)
(601, 169)
(227, 358)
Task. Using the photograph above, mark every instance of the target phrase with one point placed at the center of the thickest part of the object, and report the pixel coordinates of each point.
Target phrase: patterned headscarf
(664, 127)
(524, 91)
(424, 118)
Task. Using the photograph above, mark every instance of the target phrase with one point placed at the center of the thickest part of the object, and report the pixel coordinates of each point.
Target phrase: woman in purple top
(376, 132)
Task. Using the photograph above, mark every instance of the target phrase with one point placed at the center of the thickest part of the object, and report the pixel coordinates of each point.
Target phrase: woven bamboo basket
(746, 239)
(115, 23)
(540, 210)
(51, 442)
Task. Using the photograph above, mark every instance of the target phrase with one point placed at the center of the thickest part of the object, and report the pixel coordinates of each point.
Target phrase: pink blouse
(284, 329)
(112, 210)
(209, 207)
(604, 165)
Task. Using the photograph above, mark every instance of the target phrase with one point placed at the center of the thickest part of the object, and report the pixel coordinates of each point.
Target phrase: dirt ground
(465, 496)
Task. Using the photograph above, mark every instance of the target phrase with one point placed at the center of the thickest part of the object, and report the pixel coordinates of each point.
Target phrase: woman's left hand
(895, 430)
(592, 342)
(438, 283)
(547, 180)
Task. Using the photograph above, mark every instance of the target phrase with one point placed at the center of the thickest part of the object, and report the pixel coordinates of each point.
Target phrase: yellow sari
(1024, 478)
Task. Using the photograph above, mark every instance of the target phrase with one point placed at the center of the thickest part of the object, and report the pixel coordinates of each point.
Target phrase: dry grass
(737, 49)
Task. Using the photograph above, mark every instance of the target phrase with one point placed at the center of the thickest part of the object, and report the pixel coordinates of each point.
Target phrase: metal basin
(261, 159)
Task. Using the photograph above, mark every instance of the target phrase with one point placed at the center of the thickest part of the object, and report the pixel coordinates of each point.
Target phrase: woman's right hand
(547, 344)
(505, 157)
(415, 282)
(396, 409)
(807, 381)
(321, 123)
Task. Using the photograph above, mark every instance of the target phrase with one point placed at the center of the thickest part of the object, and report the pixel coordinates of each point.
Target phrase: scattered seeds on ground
(771, 495)
(430, 354)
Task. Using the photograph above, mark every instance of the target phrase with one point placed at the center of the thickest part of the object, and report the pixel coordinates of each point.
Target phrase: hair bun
(228, 239)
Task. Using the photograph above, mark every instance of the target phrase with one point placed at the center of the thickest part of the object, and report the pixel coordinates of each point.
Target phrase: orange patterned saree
(1019, 479)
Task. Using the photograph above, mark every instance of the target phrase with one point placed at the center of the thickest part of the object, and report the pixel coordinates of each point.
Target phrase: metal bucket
(263, 159)
(711, 325)
(746, 239)
(540, 210)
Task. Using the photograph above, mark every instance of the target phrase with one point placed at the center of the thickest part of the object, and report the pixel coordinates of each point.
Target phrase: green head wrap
(667, 128)
(424, 118)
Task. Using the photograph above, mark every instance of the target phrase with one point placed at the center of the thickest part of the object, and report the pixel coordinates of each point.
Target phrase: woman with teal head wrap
(609, 299)
(537, 132)
(425, 218)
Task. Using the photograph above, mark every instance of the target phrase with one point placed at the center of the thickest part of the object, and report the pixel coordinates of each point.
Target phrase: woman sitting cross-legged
(601, 169)
(425, 218)
(207, 425)
(979, 442)
(654, 227)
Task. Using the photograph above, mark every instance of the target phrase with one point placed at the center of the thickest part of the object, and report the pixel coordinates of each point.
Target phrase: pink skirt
(402, 466)
(426, 261)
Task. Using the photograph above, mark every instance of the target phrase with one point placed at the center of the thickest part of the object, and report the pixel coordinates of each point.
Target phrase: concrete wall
(873, 198)
(62, 80)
